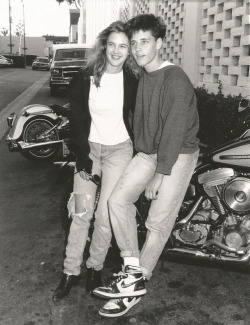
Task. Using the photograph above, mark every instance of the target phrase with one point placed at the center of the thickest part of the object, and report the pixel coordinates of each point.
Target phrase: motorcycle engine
(236, 195)
(195, 232)
(230, 195)
(237, 231)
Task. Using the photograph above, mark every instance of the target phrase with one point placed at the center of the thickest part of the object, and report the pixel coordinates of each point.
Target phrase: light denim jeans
(109, 162)
(162, 213)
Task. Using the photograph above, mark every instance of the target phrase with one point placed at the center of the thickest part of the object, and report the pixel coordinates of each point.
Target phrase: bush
(217, 116)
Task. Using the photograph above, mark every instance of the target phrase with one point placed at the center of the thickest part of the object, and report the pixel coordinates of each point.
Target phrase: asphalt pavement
(33, 226)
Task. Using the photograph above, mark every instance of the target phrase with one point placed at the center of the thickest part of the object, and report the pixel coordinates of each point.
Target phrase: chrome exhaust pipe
(215, 242)
(25, 146)
(201, 255)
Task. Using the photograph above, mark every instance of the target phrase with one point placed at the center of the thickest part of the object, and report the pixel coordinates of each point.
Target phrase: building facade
(95, 15)
(34, 45)
(209, 39)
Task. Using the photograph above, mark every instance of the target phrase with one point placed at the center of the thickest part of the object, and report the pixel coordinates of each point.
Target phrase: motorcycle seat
(60, 110)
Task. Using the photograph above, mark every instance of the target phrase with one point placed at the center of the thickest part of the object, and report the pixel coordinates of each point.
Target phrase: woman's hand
(153, 186)
(84, 175)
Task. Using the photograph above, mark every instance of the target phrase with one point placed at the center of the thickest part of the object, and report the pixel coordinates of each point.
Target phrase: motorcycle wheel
(30, 133)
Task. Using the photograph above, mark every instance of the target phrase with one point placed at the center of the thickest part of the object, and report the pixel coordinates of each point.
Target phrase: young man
(165, 128)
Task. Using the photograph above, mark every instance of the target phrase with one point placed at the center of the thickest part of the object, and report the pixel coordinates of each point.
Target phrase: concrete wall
(225, 46)
(209, 39)
(34, 45)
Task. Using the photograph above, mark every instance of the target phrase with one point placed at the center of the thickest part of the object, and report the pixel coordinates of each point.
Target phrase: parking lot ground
(32, 241)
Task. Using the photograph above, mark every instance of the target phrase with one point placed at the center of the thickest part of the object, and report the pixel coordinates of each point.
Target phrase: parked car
(41, 63)
(67, 60)
(5, 62)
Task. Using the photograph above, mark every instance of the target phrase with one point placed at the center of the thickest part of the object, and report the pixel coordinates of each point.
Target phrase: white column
(191, 44)
(82, 24)
(99, 14)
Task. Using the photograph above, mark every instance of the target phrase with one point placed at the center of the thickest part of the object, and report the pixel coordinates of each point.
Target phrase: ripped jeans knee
(85, 205)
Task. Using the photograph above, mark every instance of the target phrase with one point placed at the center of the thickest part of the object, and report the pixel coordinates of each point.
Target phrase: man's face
(145, 48)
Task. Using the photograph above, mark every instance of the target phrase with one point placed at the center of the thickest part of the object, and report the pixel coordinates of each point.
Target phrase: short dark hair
(147, 22)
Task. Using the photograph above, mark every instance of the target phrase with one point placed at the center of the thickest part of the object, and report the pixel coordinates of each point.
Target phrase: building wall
(73, 28)
(125, 11)
(99, 14)
(225, 46)
(146, 6)
(95, 15)
(73, 34)
(34, 45)
(209, 39)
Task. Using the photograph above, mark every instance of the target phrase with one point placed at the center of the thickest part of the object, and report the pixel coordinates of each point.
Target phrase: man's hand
(152, 188)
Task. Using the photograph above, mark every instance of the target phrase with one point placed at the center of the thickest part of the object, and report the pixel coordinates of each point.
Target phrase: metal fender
(27, 113)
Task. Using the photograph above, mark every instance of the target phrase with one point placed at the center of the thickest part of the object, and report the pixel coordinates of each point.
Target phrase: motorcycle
(214, 219)
(38, 131)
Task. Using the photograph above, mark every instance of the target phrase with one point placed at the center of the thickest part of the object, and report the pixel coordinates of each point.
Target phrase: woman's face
(117, 52)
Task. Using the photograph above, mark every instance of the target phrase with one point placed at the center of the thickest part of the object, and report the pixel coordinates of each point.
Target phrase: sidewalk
(23, 99)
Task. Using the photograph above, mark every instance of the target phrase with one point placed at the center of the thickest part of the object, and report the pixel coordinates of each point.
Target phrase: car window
(42, 60)
(72, 54)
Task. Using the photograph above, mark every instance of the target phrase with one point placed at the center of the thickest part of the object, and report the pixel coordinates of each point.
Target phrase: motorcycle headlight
(55, 71)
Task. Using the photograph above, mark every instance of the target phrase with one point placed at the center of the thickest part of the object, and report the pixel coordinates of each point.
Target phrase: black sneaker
(129, 283)
(118, 307)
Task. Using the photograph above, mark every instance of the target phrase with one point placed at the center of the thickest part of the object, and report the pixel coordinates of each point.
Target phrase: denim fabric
(109, 162)
(162, 213)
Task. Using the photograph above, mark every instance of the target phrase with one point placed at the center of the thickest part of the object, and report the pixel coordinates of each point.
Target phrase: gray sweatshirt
(166, 119)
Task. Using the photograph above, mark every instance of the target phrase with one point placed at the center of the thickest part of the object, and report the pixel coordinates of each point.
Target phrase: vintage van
(67, 59)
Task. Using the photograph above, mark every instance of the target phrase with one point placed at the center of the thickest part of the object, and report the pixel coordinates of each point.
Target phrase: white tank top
(106, 110)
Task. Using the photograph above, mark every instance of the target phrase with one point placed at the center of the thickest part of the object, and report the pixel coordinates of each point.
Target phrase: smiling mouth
(115, 57)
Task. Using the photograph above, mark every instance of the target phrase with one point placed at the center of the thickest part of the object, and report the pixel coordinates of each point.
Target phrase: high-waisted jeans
(109, 162)
(162, 213)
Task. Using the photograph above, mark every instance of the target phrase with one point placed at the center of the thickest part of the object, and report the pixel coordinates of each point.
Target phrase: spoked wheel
(33, 133)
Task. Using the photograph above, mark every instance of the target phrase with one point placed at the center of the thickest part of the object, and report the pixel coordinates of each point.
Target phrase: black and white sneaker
(118, 307)
(129, 283)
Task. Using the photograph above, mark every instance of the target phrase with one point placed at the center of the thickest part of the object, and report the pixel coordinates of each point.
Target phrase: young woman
(102, 99)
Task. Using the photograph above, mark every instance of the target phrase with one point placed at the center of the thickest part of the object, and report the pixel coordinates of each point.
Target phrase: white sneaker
(118, 307)
(129, 283)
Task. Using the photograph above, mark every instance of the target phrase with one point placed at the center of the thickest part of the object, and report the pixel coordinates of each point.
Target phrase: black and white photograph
(124, 162)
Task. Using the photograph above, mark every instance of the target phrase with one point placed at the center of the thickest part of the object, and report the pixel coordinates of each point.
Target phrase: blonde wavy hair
(97, 62)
